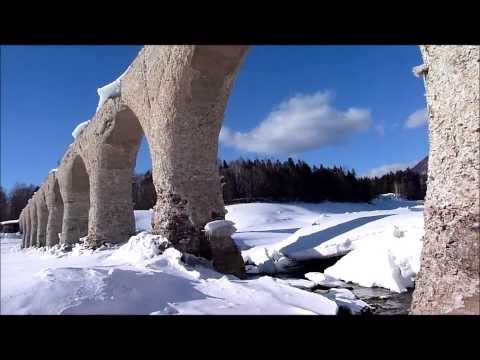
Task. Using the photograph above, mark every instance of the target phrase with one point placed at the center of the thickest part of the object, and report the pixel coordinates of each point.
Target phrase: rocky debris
(347, 300)
(219, 247)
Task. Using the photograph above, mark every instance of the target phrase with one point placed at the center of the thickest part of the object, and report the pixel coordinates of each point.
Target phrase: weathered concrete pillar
(23, 229)
(42, 217)
(180, 92)
(29, 228)
(26, 235)
(54, 202)
(20, 229)
(33, 222)
(448, 282)
(111, 213)
(75, 191)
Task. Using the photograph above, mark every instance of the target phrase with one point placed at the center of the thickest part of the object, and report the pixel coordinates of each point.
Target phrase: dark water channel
(382, 301)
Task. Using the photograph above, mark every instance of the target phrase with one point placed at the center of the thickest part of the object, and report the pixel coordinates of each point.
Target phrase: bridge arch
(74, 184)
(111, 213)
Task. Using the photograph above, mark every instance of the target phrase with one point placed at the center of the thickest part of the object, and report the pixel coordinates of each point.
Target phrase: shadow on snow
(310, 241)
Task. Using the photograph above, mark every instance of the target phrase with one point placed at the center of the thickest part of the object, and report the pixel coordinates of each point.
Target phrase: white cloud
(417, 119)
(301, 123)
(385, 169)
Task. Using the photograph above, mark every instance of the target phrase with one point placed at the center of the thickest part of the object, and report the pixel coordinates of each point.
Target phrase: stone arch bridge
(176, 97)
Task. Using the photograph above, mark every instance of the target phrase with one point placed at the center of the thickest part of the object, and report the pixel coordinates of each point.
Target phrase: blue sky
(356, 106)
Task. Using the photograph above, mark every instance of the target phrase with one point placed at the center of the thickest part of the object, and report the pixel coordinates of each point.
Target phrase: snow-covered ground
(134, 279)
(382, 241)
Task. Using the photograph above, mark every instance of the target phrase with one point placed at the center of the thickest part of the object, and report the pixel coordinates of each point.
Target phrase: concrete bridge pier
(33, 222)
(179, 94)
(449, 277)
(111, 213)
(20, 229)
(24, 229)
(55, 210)
(42, 217)
(185, 170)
(26, 234)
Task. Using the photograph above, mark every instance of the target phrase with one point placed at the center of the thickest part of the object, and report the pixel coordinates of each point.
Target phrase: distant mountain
(422, 167)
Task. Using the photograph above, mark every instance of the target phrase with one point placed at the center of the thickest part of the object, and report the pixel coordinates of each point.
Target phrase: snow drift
(392, 264)
(138, 278)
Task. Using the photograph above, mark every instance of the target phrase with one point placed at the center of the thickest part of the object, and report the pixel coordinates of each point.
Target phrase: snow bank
(391, 264)
(262, 296)
(77, 131)
(141, 247)
(337, 234)
(110, 90)
(136, 279)
(53, 170)
(221, 228)
(79, 249)
(267, 224)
